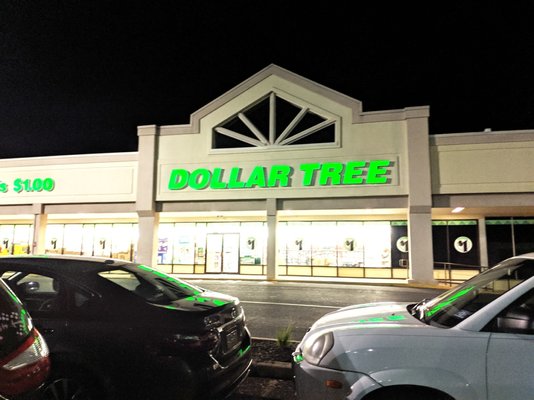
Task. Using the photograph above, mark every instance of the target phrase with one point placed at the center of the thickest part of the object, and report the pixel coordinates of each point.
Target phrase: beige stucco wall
(76, 179)
(489, 162)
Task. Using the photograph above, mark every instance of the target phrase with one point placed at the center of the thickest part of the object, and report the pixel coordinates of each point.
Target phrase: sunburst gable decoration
(272, 122)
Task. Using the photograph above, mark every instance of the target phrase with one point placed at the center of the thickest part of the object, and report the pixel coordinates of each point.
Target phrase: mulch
(270, 350)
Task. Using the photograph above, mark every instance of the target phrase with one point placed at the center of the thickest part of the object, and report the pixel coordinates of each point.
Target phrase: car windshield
(150, 284)
(455, 305)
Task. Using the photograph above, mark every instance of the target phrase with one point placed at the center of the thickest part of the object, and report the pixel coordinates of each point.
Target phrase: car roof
(64, 263)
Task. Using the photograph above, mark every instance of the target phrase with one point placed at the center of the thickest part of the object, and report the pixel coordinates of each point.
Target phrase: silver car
(475, 341)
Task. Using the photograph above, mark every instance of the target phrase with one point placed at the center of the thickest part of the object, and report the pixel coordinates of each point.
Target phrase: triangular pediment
(274, 107)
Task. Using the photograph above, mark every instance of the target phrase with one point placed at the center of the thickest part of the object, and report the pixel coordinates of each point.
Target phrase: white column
(40, 220)
(420, 196)
(148, 218)
(421, 255)
(147, 246)
(271, 240)
(482, 242)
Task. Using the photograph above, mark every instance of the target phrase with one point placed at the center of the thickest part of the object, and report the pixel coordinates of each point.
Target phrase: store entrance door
(222, 253)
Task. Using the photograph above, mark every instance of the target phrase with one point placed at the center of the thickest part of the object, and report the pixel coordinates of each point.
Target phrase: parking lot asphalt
(258, 388)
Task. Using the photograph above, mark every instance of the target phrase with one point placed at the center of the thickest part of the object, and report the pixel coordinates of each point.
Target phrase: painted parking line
(289, 304)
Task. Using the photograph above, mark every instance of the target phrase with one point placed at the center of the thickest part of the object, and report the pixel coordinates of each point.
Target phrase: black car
(117, 329)
(24, 361)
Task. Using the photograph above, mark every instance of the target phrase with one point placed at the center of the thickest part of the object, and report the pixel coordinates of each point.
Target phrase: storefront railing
(454, 273)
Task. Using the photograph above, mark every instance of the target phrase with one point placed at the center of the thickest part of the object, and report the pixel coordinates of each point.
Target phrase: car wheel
(66, 385)
(66, 389)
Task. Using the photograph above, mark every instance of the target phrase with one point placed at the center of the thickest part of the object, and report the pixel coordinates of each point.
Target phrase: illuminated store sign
(28, 185)
(373, 172)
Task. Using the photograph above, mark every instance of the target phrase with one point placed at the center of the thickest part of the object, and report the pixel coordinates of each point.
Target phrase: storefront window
(184, 244)
(350, 248)
(54, 239)
(336, 248)
(463, 242)
(213, 247)
(400, 245)
(508, 236)
(296, 238)
(324, 243)
(73, 239)
(253, 239)
(455, 249)
(121, 243)
(88, 238)
(523, 235)
(165, 234)
(102, 240)
(6, 238)
(377, 242)
(15, 239)
(200, 244)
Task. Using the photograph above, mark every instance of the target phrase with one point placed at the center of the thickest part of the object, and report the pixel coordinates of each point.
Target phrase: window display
(165, 234)
(253, 239)
(54, 239)
(184, 244)
(296, 243)
(73, 239)
(324, 245)
(22, 237)
(377, 244)
(102, 240)
(6, 239)
(455, 243)
(350, 244)
(122, 241)
(88, 238)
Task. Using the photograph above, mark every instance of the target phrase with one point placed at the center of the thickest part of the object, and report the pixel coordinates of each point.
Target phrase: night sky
(78, 77)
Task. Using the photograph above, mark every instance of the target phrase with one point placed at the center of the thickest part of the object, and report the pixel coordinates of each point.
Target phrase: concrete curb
(272, 369)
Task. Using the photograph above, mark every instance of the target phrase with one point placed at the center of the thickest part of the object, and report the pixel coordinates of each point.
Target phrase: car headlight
(316, 347)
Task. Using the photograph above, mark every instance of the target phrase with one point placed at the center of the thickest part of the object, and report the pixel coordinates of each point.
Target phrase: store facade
(282, 178)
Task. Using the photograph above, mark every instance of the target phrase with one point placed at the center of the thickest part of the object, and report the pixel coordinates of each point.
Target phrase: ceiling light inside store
(458, 209)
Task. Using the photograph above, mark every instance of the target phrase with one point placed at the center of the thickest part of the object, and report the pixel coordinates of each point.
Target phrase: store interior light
(458, 209)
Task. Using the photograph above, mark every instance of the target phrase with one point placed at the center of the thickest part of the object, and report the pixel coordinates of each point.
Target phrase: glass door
(214, 242)
(230, 253)
(222, 253)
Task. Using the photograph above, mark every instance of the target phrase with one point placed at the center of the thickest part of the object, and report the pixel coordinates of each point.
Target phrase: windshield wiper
(418, 308)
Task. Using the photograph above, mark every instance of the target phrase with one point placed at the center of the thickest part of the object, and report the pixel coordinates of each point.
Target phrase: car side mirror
(30, 287)
(516, 320)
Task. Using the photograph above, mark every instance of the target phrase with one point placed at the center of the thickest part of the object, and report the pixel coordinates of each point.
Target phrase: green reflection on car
(244, 351)
(375, 320)
(448, 301)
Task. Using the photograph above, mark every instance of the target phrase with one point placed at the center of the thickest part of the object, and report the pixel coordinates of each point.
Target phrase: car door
(510, 353)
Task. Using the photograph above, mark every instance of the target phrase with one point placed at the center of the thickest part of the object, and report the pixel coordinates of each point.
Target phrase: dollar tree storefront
(282, 178)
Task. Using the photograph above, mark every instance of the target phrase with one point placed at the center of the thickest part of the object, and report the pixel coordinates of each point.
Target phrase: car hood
(371, 314)
(201, 302)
